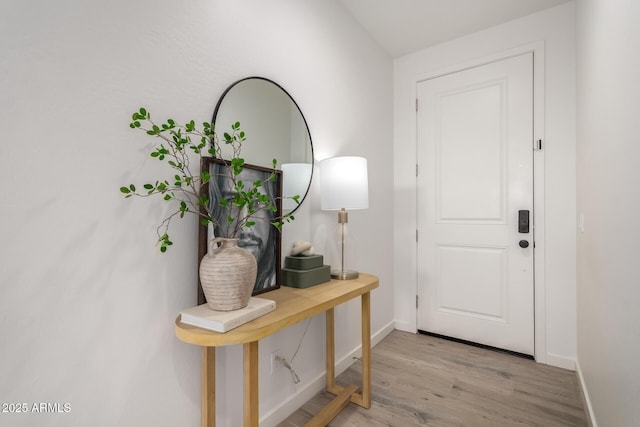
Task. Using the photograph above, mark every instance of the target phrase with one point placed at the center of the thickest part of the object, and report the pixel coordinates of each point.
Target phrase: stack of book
(305, 271)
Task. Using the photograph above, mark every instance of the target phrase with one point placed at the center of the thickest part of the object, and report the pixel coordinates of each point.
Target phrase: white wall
(87, 303)
(554, 29)
(608, 39)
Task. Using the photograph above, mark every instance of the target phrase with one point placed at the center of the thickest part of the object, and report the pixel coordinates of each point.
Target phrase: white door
(475, 158)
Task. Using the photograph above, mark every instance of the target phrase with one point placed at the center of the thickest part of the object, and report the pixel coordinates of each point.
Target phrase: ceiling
(405, 26)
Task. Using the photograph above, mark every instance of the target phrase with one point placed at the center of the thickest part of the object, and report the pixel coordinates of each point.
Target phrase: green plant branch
(248, 201)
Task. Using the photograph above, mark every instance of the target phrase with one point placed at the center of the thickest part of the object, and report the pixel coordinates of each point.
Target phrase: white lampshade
(344, 183)
(295, 181)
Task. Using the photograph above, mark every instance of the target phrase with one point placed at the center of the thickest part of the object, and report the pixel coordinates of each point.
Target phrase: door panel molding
(450, 165)
(452, 278)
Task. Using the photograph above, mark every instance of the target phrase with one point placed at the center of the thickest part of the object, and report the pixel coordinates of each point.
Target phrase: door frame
(539, 289)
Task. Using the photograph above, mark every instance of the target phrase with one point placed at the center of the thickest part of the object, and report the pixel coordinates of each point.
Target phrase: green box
(303, 262)
(306, 278)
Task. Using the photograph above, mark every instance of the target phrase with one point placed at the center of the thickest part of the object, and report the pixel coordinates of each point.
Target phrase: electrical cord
(283, 361)
(306, 328)
(294, 376)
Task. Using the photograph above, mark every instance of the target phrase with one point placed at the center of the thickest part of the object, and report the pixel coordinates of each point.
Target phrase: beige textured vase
(227, 274)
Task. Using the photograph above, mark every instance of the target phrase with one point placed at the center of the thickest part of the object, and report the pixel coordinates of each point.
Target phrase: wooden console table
(292, 306)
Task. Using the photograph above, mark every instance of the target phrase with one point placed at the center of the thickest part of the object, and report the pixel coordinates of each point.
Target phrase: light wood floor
(419, 380)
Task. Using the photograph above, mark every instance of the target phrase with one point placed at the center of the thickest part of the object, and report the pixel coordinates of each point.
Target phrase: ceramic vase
(227, 274)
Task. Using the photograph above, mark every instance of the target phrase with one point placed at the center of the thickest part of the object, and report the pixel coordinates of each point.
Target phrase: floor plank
(420, 380)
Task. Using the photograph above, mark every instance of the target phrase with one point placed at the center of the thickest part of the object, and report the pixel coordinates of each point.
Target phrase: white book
(223, 321)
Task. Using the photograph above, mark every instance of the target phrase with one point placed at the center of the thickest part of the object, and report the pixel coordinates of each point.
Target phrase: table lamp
(344, 186)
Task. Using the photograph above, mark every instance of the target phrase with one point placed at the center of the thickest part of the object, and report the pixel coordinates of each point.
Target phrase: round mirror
(275, 129)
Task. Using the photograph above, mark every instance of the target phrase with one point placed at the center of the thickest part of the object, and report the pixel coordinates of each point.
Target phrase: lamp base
(344, 274)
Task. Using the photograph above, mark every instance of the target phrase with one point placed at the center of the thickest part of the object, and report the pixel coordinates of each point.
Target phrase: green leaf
(139, 116)
(125, 190)
(148, 186)
(164, 242)
(132, 188)
(250, 223)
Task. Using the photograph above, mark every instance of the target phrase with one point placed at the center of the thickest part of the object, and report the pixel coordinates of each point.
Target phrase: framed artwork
(262, 239)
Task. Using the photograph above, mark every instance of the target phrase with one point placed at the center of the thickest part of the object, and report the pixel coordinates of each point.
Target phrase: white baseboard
(379, 336)
(305, 393)
(591, 419)
(560, 361)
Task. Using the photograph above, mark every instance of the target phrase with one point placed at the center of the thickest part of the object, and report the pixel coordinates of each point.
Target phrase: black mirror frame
(219, 103)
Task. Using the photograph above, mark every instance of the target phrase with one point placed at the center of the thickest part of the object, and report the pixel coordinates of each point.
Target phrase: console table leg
(330, 350)
(364, 398)
(208, 387)
(366, 350)
(251, 407)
